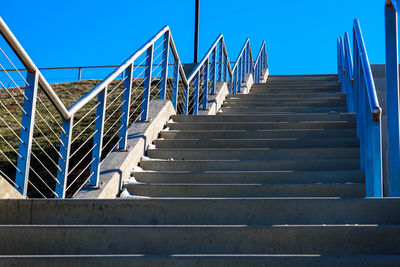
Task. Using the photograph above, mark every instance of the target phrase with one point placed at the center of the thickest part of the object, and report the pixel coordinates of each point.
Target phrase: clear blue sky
(300, 35)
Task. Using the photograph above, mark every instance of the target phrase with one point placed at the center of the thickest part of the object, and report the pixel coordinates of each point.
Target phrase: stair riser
(257, 190)
(294, 95)
(247, 104)
(246, 154)
(318, 165)
(346, 240)
(260, 126)
(203, 261)
(268, 118)
(283, 110)
(209, 211)
(307, 133)
(289, 177)
(254, 143)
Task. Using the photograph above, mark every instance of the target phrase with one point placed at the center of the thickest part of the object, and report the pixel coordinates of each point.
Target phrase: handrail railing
(97, 123)
(392, 7)
(358, 83)
(261, 62)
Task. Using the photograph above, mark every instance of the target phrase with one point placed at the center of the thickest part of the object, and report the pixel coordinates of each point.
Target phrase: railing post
(196, 94)
(147, 85)
(213, 71)
(392, 95)
(164, 72)
(126, 100)
(234, 82)
(220, 59)
(205, 87)
(63, 161)
(175, 83)
(26, 133)
(79, 74)
(186, 100)
(243, 67)
(239, 75)
(225, 69)
(375, 183)
(98, 139)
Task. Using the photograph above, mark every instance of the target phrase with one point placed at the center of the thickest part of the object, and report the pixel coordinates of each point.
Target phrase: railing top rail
(240, 54)
(31, 67)
(395, 3)
(260, 52)
(369, 80)
(207, 55)
(98, 88)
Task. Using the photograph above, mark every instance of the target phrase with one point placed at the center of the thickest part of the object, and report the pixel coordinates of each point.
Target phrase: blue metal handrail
(215, 66)
(392, 95)
(358, 84)
(261, 62)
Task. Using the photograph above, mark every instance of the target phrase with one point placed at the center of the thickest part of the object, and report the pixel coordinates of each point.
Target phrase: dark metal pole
(196, 32)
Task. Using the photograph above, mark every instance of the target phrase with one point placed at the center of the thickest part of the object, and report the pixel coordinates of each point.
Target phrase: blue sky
(300, 35)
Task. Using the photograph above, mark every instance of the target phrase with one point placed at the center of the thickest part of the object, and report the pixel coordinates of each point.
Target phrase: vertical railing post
(196, 94)
(26, 133)
(147, 84)
(175, 83)
(243, 67)
(234, 83)
(392, 96)
(375, 187)
(164, 66)
(213, 71)
(239, 76)
(186, 93)
(126, 101)
(225, 69)
(63, 159)
(205, 86)
(79, 74)
(220, 59)
(98, 139)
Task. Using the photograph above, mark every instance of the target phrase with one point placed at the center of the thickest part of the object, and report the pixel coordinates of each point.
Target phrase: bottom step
(201, 260)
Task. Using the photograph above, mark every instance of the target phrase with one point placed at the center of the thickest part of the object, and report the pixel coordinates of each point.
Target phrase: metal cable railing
(61, 149)
(358, 84)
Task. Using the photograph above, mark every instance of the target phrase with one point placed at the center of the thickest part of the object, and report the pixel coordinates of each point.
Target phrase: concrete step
(283, 110)
(266, 104)
(259, 134)
(267, 118)
(203, 211)
(258, 143)
(236, 165)
(234, 260)
(289, 90)
(299, 78)
(295, 95)
(201, 239)
(263, 177)
(254, 153)
(247, 190)
(260, 125)
(290, 96)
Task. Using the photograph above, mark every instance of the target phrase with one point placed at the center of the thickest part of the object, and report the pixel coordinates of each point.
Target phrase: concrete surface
(7, 191)
(116, 168)
(215, 101)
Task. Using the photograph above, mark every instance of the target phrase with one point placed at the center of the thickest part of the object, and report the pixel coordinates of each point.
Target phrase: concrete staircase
(273, 180)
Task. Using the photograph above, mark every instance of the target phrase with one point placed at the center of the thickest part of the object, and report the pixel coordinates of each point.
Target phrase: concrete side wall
(215, 101)
(7, 191)
(116, 168)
